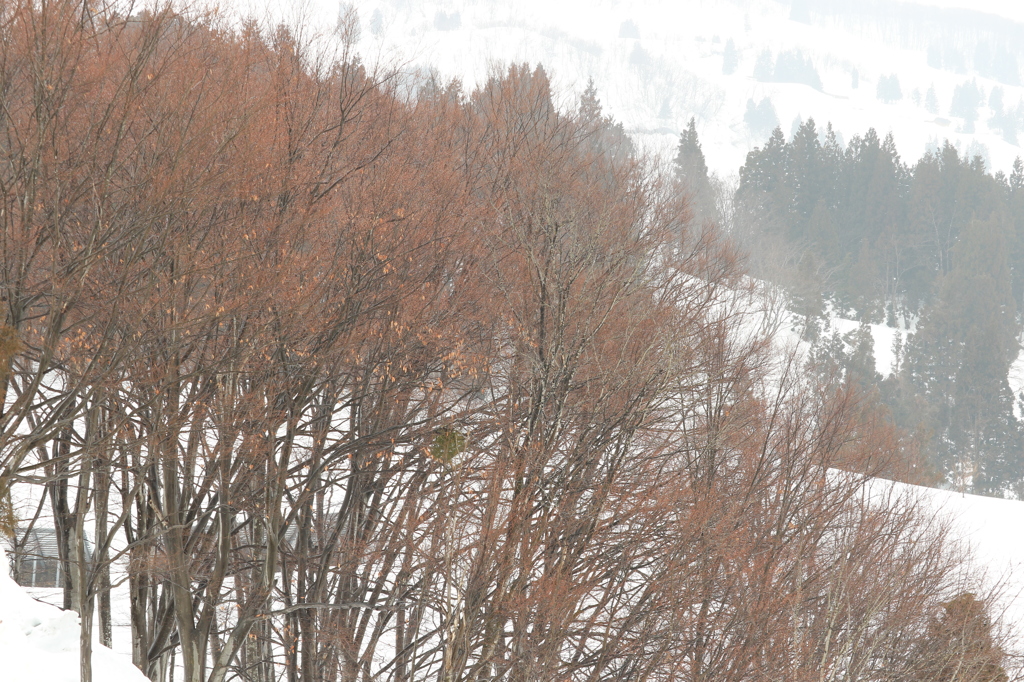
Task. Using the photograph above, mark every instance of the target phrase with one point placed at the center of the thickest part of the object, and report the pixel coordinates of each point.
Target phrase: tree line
(936, 247)
(341, 379)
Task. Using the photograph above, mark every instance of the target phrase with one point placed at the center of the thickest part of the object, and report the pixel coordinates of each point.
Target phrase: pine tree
(605, 135)
(967, 97)
(764, 67)
(805, 172)
(763, 188)
(692, 171)
(761, 117)
(959, 360)
(888, 89)
(590, 105)
(860, 361)
(1017, 176)
(1016, 211)
(690, 162)
(730, 58)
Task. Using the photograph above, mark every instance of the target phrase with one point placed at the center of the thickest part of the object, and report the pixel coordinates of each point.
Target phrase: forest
(341, 377)
(936, 248)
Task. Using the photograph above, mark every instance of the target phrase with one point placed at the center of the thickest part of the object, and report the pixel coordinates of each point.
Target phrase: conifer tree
(805, 171)
(959, 360)
(692, 171)
(690, 162)
(730, 58)
(1017, 176)
(605, 135)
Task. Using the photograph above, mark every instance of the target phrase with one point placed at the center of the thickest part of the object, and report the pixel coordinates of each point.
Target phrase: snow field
(39, 642)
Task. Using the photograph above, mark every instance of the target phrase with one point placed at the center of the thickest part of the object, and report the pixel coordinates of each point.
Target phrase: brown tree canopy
(353, 384)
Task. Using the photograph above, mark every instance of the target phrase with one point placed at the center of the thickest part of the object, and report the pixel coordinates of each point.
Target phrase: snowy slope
(990, 527)
(39, 642)
(1008, 9)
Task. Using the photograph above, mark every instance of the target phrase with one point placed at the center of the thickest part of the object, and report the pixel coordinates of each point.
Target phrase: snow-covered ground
(39, 642)
(883, 337)
(1009, 9)
(990, 528)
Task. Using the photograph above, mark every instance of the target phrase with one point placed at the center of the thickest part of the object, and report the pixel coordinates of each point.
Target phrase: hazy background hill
(927, 71)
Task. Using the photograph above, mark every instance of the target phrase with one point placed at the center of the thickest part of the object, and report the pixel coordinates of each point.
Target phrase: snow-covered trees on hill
(939, 241)
(888, 89)
(787, 67)
(340, 381)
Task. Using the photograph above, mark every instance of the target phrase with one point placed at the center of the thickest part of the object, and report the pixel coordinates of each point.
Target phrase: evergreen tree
(692, 171)
(959, 361)
(761, 117)
(888, 89)
(590, 105)
(606, 136)
(629, 30)
(763, 178)
(805, 172)
(800, 11)
(860, 362)
(942, 241)
(995, 100)
(1017, 176)
(848, 357)
(967, 97)
(730, 58)
(377, 23)
(794, 67)
(827, 357)
(764, 67)
(1015, 192)
(690, 162)
(639, 56)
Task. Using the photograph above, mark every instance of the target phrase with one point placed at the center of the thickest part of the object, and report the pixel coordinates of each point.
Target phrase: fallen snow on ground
(990, 527)
(884, 338)
(1016, 378)
(39, 642)
(1007, 9)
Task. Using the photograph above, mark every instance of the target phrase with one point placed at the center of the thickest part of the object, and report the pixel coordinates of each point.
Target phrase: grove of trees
(938, 246)
(342, 377)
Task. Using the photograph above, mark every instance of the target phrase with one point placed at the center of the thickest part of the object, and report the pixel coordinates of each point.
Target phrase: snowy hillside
(39, 642)
(656, 63)
(990, 527)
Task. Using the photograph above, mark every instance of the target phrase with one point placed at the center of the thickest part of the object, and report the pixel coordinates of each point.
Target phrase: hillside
(656, 64)
(318, 371)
